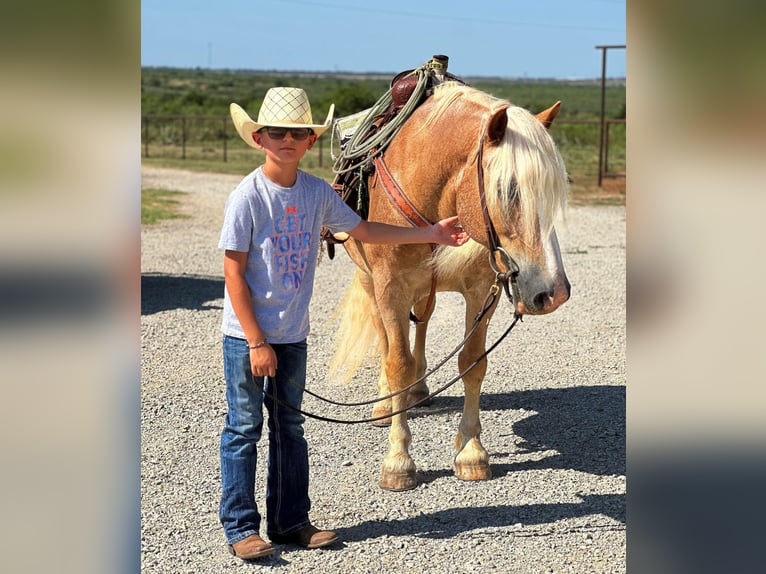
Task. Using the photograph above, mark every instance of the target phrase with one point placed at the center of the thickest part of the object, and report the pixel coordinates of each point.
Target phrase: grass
(207, 93)
(200, 91)
(158, 204)
(582, 164)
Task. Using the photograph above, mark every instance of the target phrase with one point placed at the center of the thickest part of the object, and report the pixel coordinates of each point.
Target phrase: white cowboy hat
(283, 108)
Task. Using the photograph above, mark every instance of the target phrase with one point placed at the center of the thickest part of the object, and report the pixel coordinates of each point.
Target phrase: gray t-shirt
(279, 227)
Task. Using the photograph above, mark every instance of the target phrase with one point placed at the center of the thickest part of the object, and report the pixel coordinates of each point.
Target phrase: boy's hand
(449, 232)
(263, 361)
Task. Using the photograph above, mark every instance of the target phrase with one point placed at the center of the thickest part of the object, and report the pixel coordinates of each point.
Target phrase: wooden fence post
(146, 136)
(183, 137)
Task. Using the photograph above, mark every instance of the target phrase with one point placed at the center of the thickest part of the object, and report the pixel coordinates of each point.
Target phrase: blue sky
(507, 38)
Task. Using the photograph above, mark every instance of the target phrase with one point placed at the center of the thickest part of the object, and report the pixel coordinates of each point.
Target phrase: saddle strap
(397, 196)
(411, 214)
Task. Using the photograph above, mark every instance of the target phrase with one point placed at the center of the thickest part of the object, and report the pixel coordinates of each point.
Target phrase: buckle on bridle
(512, 267)
(507, 278)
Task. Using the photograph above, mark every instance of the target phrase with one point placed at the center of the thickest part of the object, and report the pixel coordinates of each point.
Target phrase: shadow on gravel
(584, 425)
(454, 521)
(160, 292)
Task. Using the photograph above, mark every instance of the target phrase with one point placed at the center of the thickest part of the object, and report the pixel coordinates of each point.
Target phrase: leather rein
(488, 303)
(508, 279)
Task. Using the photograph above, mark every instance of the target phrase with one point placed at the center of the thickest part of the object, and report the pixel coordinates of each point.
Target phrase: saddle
(408, 90)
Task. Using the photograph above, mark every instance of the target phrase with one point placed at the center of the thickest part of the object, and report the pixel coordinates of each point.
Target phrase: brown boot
(251, 548)
(307, 537)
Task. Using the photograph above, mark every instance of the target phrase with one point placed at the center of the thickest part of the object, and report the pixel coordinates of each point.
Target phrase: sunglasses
(280, 133)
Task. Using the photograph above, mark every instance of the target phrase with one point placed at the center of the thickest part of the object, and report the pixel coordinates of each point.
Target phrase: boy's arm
(262, 360)
(444, 232)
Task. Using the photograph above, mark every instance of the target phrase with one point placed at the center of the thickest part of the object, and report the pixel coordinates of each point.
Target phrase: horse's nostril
(541, 299)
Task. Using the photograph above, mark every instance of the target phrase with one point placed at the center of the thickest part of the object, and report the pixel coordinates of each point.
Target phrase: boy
(271, 240)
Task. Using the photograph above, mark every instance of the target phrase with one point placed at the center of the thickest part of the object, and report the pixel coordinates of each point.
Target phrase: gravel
(553, 416)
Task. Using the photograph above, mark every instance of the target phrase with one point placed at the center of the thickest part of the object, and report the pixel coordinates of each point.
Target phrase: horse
(457, 139)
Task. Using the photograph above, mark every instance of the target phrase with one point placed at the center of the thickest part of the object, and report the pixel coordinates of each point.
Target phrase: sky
(505, 38)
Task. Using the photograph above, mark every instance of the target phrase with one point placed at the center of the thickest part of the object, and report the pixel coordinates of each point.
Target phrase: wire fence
(197, 137)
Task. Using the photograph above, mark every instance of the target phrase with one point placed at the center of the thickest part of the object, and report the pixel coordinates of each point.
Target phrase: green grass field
(200, 135)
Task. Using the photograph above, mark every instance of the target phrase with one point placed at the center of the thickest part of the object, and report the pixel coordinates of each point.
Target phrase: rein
(489, 301)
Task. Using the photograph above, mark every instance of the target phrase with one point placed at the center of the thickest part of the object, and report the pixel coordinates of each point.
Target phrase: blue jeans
(287, 483)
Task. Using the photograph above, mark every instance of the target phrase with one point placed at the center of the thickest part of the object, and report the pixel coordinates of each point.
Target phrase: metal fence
(213, 137)
(201, 137)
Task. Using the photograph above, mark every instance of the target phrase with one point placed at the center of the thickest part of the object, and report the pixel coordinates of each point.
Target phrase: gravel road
(553, 416)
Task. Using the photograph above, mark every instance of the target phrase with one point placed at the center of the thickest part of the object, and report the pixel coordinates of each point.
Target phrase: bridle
(508, 280)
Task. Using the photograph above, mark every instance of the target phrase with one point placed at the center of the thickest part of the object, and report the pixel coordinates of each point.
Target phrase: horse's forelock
(527, 166)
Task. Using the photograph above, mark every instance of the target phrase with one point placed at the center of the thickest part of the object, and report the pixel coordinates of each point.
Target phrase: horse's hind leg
(420, 391)
(382, 408)
(472, 460)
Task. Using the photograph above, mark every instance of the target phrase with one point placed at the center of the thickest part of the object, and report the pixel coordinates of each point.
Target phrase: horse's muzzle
(544, 302)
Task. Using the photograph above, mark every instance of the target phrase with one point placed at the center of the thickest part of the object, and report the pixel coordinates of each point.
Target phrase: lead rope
(259, 384)
(489, 301)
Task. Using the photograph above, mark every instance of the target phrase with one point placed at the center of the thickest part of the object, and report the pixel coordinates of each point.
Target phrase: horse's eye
(513, 191)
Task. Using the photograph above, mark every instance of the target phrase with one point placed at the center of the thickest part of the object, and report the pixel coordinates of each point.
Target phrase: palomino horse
(453, 135)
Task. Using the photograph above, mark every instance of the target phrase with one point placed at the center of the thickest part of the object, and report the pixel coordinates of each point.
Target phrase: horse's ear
(497, 124)
(546, 117)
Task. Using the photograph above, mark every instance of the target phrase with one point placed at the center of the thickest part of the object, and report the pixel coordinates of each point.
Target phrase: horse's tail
(356, 337)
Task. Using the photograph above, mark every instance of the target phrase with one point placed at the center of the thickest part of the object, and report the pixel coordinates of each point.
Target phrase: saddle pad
(343, 129)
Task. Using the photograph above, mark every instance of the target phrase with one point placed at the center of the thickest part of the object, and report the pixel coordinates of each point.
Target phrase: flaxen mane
(525, 167)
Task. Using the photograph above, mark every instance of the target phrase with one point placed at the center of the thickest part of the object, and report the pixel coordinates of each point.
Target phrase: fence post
(146, 136)
(183, 137)
(606, 147)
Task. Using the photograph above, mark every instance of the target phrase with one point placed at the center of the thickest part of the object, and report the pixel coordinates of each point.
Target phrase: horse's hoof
(472, 471)
(398, 482)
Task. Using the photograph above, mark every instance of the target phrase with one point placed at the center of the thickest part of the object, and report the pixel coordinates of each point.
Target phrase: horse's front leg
(472, 459)
(398, 468)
